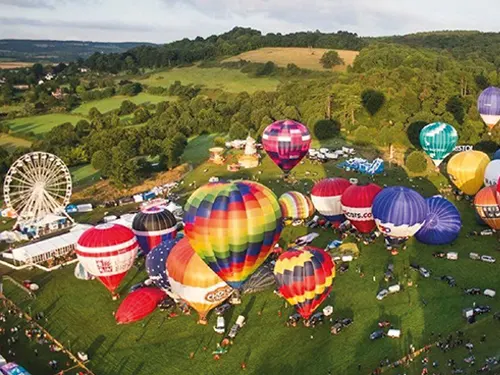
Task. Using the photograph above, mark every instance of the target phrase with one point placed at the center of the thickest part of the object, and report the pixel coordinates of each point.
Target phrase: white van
(452, 255)
(220, 327)
(394, 288)
(347, 258)
(394, 333)
(490, 293)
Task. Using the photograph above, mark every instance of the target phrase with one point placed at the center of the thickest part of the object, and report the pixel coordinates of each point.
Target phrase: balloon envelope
(466, 170)
(156, 263)
(438, 140)
(399, 212)
(233, 227)
(192, 280)
(442, 224)
(487, 208)
(357, 201)
(326, 195)
(296, 205)
(488, 106)
(496, 156)
(139, 304)
(107, 251)
(492, 173)
(286, 142)
(81, 273)
(152, 226)
(304, 277)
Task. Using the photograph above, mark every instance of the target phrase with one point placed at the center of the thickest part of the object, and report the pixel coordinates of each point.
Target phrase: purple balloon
(488, 105)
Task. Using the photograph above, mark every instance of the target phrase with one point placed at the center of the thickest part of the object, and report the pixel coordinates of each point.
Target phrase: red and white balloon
(357, 201)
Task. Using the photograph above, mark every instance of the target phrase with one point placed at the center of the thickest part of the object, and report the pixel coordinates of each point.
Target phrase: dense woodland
(386, 97)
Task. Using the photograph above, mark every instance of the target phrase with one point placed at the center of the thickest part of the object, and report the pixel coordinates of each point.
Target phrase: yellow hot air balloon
(466, 170)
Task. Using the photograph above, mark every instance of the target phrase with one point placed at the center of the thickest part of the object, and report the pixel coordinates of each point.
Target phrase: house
(83, 70)
(58, 94)
(49, 76)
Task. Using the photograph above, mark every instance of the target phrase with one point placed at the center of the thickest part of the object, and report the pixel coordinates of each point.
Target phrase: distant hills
(57, 51)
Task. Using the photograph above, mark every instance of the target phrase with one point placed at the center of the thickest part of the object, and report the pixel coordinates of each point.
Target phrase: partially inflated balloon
(399, 212)
(488, 106)
(442, 224)
(466, 170)
(286, 142)
(233, 227)
(304, 277)
(156, 263)
(295, 205)
(357, 201)
(326, 195)
(492, 173)
(438, 140)
(192, 280)
(487, 208)
(139, 304)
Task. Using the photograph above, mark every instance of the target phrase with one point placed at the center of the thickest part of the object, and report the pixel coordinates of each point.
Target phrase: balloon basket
(115, 297)
(202, 321)
(394, 252)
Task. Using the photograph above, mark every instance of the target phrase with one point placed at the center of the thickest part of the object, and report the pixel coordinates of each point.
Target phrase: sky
(162, 21)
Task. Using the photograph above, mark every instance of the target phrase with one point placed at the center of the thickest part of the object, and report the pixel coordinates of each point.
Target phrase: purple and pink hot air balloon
(488, 106)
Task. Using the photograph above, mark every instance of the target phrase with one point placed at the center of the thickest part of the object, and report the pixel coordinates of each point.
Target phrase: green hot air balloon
(438, 140)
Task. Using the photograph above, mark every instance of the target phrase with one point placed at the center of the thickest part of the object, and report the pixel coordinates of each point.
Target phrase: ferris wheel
(36, 185)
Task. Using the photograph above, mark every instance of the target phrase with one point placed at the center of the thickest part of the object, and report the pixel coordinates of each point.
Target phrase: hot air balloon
(193, 281)
(487, 208)
(488, 106)
(466, 170)
(107, 251)
(156, 263)
(496, 155)
(233, 227)
(81, 273)
(286, 142)
(304, 277)
(492, 173)
(357, 201)
(139, 304)
(399, 212)
(438, 140)
(295, 205)
(152, 226)
(442, 224)
(326, 195)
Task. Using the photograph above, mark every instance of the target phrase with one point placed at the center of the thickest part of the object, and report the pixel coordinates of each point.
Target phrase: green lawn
(10, 143)
(84, 175)
(230, 80)
(40, 124)
(108, 104)
(81, 311)
(197, 149)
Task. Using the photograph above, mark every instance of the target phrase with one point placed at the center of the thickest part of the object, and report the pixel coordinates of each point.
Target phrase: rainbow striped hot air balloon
(488, 106)
(233, 227)
(466, 170)
(193, 281)
(487, 207)
(304, 277)
(295, 205)
(286, 142)
(438, 140)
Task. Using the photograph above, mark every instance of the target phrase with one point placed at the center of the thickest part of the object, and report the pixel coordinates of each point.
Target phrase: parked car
(449, 279)
(439, 254)
(488, 259)
(240, 322)
(377, 334)
(394, 333)
(384, 324)
(394, 288)
(474, 256)
(343, 267)
(336, 328)
(316, 318)
(482, 310)
(220, 310)
(220, 327)
(382, 294)
(472, 291)
(424, 272)
(346, 322)
(452, 255)
(414, 266)
(489, 293)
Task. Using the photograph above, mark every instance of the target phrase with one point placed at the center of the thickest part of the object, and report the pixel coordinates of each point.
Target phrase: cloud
(48, 4)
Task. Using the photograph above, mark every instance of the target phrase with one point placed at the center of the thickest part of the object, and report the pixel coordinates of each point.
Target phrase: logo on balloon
(219, 294)
(463, 148)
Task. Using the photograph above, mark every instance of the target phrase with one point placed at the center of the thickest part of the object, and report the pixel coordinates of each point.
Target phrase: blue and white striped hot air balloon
(438, 140)
(399, 212)
(443, 222)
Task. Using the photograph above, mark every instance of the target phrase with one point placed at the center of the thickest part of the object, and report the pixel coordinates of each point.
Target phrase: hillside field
(10, 143)
(306, 58)
(230, 80)
(14, 64)
(40, 124)
(108, 104)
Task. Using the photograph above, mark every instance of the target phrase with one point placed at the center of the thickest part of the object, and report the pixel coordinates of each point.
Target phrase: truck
(452, 255)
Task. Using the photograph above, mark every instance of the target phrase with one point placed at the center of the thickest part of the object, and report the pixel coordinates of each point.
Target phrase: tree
(455, 106)
(127, 107)
(416, 162)
(362, 135)
(94, 113)
(173, 148)
(101, 161)
(372, 100)
(141, 115)
(82, 128)
(331, 59)
(219, 141)
(267, 69)
(237, 131)
(325, 129)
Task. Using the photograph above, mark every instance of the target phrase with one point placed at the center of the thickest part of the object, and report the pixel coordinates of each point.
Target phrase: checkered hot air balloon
(152, 226)
(304, 277)
(488, 106)
(326, 195)
(357, 201)
(286, 142)
(295, 205)
(487, 207)
(107, 251)
(233, 227)
(156, 263)
(139, 304)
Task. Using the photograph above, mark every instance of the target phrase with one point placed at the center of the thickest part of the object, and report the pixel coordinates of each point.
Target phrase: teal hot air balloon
(438, 140)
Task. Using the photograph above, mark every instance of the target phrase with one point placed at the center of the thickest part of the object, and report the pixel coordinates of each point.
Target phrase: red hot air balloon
(139, 304)
(357, 203)
(107, 251)
(326, 195)
(286, 142)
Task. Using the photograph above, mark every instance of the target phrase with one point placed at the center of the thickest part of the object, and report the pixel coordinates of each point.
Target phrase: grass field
(80, 312)
(302, 57)
(10, 143)
(197, 149)
(14, 64)
(84, 175)
(108, 104)
(40, 124)
(230, 80)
